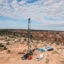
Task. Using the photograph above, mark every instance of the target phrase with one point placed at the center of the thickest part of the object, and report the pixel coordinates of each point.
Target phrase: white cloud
(37, 10)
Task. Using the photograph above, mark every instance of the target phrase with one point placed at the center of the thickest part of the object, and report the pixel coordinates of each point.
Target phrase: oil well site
(46, 47)
(31, 31)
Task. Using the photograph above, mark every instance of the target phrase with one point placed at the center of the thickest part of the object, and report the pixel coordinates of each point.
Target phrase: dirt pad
(50, 57)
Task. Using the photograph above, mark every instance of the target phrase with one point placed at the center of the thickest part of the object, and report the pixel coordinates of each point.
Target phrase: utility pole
(29, 34)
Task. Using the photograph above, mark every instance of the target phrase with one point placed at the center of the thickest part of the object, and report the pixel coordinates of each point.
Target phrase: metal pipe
(28, 35)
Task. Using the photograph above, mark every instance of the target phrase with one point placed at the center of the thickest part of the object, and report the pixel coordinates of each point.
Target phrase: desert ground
(13, 45)
(19, 44)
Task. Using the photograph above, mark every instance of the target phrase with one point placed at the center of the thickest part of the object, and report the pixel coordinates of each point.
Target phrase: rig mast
(29, 23)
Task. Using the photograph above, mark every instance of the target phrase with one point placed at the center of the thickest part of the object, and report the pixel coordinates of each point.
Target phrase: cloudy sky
(44, 14)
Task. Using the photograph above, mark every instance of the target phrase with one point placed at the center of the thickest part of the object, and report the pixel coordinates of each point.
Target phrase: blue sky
(44, 14)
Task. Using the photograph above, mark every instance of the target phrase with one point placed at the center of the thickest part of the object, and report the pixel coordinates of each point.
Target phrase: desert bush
(47, 60)
(55, 52)
(8, 43)
(45, 44)
(20, 52)
(24, 39)
(57, 43)
(50, 42)
(1, 45)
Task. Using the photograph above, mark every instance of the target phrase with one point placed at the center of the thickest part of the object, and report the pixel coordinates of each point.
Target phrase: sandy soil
(50, 57)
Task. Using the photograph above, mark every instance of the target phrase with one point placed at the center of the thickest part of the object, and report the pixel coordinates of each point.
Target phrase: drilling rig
(29, 52)
(29, 23)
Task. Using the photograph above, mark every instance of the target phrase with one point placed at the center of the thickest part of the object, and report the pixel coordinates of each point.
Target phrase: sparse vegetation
(52, 36)
(55, 52)
(1, 45)
(18, 40)
(8, 43)
(24, 39)
(45, 45)
(20, 52)
(60, 48)
(50, 42)
(57, 43)
(47, 60)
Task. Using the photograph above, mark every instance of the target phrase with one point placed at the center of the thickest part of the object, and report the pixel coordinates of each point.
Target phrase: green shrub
(57, 43)
(25, 39)
(1, 45)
